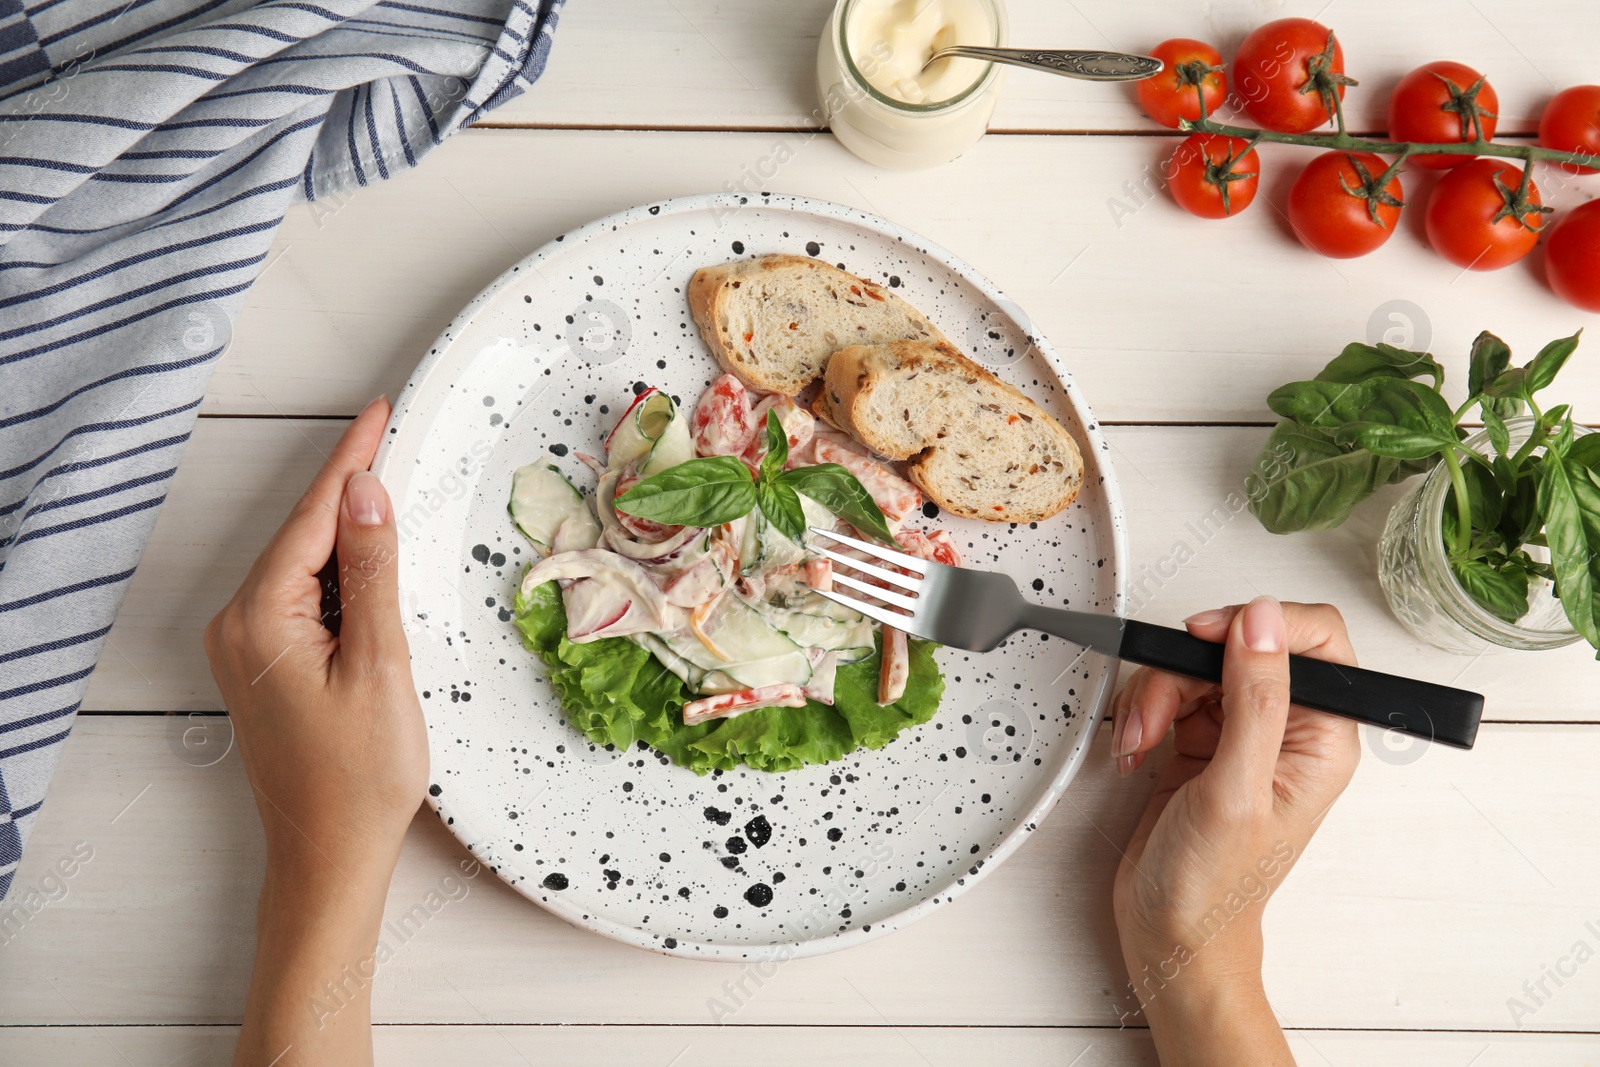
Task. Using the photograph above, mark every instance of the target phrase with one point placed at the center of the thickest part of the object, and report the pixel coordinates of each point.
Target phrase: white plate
(624, 843)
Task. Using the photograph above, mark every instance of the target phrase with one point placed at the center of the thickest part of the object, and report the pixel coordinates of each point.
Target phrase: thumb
(369, 564)
(1255, 698)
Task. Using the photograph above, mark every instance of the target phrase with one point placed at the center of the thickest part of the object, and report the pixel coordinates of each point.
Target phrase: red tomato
(1200, 170)
(1432, 104)
(722, 423)
(1171, 94)
(1461, 207)
(1273, 73)
(1572, 256)
(1330, 218)
(1571, 123)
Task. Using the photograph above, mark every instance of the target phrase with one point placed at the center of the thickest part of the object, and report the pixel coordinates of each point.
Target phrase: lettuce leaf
(616, 693)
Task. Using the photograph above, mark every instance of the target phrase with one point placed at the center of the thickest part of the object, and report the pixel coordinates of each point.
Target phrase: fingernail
(371, 403)
(364, 499)
(1262, 626)
(1207, 618)
(1129, 734)
(1124, 766)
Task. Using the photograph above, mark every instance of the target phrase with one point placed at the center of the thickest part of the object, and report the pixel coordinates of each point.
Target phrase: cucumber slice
(763, 547)
(652, 643)
(752, 653)
(820, 623)
(653, 432)
(543, 502)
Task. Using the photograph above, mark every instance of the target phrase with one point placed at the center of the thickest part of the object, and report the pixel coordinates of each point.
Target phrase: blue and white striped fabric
(148, 151)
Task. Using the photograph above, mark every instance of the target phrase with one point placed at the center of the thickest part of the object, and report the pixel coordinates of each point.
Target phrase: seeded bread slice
(978, 447)
(773, 321)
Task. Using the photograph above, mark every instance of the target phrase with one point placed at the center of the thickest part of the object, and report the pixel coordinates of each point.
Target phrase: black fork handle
(1433, 712)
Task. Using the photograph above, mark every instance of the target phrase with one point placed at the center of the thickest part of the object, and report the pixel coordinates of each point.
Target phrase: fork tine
(899, 559)
(899, 581)
(877, 592)
(871, 611)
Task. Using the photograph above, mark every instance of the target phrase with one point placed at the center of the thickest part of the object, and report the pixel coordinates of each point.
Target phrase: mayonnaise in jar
(879, 101)
(894, 38)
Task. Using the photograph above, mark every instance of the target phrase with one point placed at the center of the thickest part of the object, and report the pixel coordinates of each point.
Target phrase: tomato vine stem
(1344, 142)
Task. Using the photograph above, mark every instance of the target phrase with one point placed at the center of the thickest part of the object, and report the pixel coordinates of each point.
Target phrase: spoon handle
(1091, 66)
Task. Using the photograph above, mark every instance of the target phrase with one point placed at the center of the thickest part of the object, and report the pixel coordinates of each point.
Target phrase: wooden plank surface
(1446, 892)
(241, 476)
(730, 65)
(1128, 289)
(812, 1046)
(1433, 891)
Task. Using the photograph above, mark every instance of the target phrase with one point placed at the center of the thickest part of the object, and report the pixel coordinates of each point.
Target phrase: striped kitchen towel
(148, 151)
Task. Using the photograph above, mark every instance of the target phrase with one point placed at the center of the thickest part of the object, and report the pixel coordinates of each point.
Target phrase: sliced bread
(978, 447)
(773, 321)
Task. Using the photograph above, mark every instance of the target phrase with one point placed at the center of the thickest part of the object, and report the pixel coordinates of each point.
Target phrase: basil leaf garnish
(782, 508)
(841, 493)
(700, 492)
(777, 447)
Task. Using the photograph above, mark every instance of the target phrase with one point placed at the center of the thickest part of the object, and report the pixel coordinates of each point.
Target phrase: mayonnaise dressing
(877, 99)
(890, 40)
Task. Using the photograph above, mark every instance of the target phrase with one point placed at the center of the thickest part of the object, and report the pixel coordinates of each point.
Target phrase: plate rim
(574, 913)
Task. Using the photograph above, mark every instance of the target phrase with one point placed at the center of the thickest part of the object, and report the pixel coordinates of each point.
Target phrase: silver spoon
(1091, 66)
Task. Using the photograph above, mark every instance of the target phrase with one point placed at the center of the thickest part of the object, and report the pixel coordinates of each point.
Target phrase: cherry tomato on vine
(1479, 223)
(1440, 103)
(1290, 73)
(1337, 207)
(1172, 94)
(1571, 123)
(1572, 256)
(1213, 176)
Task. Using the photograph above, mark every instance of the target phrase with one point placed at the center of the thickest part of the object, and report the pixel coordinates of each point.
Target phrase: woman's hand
(332, 738)
(1232, 812)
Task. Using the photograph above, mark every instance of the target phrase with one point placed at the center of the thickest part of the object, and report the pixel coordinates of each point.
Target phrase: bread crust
(847, 395)
(712, 291)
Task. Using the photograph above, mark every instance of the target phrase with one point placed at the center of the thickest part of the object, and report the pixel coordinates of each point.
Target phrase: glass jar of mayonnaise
(876, 97)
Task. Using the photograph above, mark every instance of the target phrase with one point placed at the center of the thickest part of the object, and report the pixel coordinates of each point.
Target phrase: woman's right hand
(1232, 811)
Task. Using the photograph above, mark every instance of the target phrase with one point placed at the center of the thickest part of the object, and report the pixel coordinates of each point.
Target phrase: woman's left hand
(329, 727)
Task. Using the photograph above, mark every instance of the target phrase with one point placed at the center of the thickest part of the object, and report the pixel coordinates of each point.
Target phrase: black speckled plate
(743, 864)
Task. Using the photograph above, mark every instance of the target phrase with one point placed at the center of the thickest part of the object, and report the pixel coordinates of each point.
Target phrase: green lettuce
(616, 693)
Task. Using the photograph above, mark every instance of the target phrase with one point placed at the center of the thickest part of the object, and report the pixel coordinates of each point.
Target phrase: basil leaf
(1484, 497)
(1305, 480)
(1359, 362)
(777, 448)
(781, 506)
(1558, 443)
(1396, 442)
(1542, 370)
(700, 492)
(1499, 436)
(1490, 357)
(1321, 405)
(1585, 451)
(1519, 510)
(1393, 401)
(1507, 407)
(1507, 384)
(1505, 474)
(841, 493)
(1570, 550)
(1501, 591)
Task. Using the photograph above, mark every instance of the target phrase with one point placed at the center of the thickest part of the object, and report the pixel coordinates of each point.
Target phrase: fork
(976, 610)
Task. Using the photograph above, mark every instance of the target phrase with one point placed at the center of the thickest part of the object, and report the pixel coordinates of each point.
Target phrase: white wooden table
(1443, 886)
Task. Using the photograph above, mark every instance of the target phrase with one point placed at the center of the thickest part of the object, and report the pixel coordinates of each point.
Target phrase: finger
(1255, 698)
(1212, 625)
(1146, 708)
(306, 539)
(369, 596)
(1318, 631)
